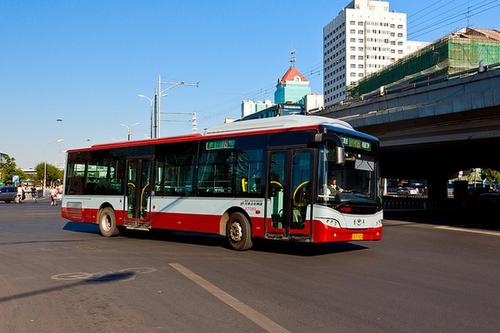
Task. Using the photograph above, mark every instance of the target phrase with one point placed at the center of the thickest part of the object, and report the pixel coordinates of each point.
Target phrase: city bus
(264, 178)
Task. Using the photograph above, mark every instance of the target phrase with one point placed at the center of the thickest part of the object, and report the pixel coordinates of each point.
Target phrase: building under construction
(459, 51)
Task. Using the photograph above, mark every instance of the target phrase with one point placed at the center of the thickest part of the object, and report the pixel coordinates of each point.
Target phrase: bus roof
(276, 123)
(254, 126)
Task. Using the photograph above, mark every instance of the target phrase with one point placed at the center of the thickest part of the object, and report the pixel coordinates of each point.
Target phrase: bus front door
(137, 198)
(289, 187)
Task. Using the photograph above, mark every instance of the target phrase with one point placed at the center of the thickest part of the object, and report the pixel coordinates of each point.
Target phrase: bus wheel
(239, 232)
(107, 222)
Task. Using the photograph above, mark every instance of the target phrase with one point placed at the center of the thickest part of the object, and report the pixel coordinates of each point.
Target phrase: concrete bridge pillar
(438, 188)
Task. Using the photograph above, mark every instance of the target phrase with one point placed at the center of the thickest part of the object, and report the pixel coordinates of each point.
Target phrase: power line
(431, 21)
(423, 9)
(458, 20)
(439, 11)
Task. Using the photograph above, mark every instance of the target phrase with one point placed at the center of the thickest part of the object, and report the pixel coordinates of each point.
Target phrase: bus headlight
(378, 223)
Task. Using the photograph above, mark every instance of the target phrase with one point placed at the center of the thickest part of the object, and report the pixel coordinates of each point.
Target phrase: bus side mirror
(340, 155)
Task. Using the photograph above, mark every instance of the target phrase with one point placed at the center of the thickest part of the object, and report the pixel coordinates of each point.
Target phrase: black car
(8, 193)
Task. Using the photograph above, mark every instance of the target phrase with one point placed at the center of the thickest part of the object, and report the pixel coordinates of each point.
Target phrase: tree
(493, 176)
(53, 173)
(9, 169)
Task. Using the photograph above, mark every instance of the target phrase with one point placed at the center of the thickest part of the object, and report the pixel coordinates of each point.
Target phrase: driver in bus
(332, 187)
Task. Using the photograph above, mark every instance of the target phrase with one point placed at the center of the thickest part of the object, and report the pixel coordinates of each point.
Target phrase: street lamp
(150, 100)
(45, 169)
(129, 130)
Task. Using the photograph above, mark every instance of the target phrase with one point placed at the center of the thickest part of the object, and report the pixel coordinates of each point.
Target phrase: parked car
(8, 193)
(405, 191)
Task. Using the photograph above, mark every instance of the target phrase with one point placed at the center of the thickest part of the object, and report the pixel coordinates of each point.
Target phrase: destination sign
(356, 143)
(220, 144)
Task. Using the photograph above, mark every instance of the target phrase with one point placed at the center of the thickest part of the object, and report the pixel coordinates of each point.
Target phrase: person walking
(33, 193)
(53, 196)
(19, 196)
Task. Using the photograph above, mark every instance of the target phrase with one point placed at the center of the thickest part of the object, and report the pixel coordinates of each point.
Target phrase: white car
(404, 191)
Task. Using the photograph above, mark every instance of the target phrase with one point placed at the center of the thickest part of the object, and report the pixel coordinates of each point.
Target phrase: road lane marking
(255, 316)
(491, 233)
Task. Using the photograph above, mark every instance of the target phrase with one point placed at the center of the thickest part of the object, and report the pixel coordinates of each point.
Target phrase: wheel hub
(106, 223)
(235, 232)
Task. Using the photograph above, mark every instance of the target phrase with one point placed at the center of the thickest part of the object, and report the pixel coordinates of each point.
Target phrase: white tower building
(364, 37)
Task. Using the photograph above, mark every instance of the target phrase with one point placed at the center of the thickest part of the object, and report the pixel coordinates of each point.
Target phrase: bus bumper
(325, 234)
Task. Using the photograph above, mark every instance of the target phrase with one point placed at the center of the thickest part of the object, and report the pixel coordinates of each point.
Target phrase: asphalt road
(59, 276)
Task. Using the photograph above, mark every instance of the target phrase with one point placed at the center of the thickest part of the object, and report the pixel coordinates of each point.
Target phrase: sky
(70, 71)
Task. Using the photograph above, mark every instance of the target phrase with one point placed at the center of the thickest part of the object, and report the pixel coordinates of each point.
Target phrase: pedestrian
(53, 196)
(33, 193)
(19, 195)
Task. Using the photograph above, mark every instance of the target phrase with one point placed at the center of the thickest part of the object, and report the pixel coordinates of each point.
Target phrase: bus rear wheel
(107, 222)
(239, 232)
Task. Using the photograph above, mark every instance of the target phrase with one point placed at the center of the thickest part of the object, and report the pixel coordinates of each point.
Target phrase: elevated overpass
(433, 131)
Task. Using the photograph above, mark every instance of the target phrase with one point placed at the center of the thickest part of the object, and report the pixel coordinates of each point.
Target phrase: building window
(400, 51)
(400, 26)
(360, 32)
(352, 22)
(353, 65)
(360, 48)
(400, 35)
(400, 43)
(360, 74)
(353, 40)
(360, 40)
(360, 57)
(360, 23)
(353, 74)
(353, 57)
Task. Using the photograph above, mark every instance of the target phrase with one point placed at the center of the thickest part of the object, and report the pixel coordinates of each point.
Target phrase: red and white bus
(263, 178)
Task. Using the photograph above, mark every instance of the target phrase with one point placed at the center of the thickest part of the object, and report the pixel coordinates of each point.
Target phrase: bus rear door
(138, 196)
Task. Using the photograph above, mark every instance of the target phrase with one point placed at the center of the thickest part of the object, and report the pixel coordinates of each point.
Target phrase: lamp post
(150, 100)
(129, 130)
(45, 169)
(155, 103)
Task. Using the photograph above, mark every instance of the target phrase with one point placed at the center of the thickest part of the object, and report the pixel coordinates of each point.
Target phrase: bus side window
(249, 171)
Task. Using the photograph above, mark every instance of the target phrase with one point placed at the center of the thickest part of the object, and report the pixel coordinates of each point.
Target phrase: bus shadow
(304, 249)
(89, 228)
(259, 245)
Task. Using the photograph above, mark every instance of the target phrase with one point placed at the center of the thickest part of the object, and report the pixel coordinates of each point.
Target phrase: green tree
(493, 176)
(9, 169)
(53, 173)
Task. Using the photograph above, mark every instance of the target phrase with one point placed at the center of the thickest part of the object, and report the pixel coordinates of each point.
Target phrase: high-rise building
(363, 38)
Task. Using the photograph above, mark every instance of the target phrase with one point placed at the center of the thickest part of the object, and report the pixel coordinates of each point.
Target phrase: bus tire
(239, 232)
(107, 222)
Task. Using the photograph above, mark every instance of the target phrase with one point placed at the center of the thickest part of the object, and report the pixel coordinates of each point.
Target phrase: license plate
(357, 237)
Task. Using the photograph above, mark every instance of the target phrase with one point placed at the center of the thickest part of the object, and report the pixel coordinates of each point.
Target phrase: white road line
(255, 316)
(491, 233)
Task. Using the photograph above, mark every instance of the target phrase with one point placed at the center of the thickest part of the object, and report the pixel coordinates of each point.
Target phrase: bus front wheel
(107, 222)
(239, 232)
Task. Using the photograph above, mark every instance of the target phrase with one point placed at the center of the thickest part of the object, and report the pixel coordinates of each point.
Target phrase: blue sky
(85, 61)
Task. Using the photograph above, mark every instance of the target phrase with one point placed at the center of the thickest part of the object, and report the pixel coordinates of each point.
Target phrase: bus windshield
(355, 181)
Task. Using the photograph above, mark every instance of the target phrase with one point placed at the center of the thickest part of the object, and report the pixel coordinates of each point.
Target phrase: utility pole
(129, 130)
(159, 93)
(193, 120)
